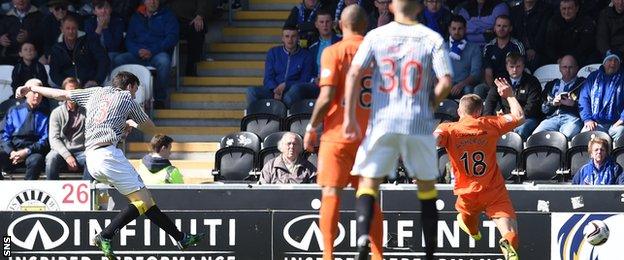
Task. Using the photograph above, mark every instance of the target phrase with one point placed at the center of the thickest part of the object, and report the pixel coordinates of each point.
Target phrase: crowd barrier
(281, 222)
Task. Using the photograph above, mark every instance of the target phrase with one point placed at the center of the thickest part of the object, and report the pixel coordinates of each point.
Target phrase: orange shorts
(335, 161)
(495, 203)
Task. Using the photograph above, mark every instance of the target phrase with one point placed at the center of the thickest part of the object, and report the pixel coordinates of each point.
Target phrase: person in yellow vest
(155, 167)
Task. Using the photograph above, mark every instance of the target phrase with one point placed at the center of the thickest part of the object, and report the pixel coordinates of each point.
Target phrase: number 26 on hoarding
(75, 193)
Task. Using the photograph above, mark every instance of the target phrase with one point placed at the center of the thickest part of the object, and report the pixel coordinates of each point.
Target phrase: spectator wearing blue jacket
(106, 29)
(153, 33)
(287, 72)
(601, 101)
(25, 136)
(601, 169)
(326, 38)
(77, 56)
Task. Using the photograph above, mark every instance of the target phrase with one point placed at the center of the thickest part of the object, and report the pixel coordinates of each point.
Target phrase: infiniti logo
(37, 229)
(312, 231)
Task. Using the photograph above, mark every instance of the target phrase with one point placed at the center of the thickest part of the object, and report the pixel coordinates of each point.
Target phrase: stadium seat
(5, 105)
(447, 111)
(508, 154)
(269, 148)
(443, 160)
(312, 158)
(237, 156)
(144, 95)
(577, 154)
(299, 116)
(585, 71)
(544, 156)
(264, 117)
(547, 73)
(6, 91)
(618, 151)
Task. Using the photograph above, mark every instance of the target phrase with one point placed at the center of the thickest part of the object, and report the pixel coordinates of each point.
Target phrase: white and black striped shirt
(108, 109)
(406, 58)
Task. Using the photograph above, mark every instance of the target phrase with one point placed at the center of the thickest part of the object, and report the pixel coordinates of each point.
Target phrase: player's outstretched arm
(350, 128)
(147, 127)
(443, 88)
(58, 94)
(505, 91)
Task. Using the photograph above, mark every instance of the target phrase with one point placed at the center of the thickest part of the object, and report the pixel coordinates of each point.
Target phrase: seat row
(267, 116)
(545, 157)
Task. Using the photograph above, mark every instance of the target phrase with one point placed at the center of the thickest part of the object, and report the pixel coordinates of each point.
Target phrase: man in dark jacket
(529, 21)
(105, 28)
(569, 33)
(51, 26)
(152, 35)
(77, 57)
(302, 17)
(527, 90)
(326, 38)
(20, 24)
(610, 32)
(287, 71)
(25, 136)
(192, 15)
(436, 16)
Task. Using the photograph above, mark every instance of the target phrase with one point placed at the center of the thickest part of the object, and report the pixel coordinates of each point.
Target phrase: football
(596, 232)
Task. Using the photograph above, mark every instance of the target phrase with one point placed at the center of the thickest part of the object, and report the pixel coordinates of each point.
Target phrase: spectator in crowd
(287, 72)
(302, 17)
(152, 35)
(465, 58)
(78, 57)
(155, 167)
(601, 103)
(51, 26)
(105, 28)
(326, 38)
(560, 100)
(28, 67)
(610, 32)
(481, 16)
(25, 136)
(568, 33)
(380, 15)
(529, 21)
(20, 24)
(436, 16)
(341, 4)
(67, 137)
(494, 52)
(601, 168)
(192, 16)
(527, 90)
(592, 8)
(289, 167)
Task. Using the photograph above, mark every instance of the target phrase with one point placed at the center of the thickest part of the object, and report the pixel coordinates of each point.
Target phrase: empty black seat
(508, 153)
(264, 117)
(544, 155)
(299, 116)
(447, 111)
(237, 156)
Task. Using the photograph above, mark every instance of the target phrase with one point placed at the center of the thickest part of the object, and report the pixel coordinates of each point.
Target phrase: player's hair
(504, 17)
(101, 3)
(287, 134)
(159, 141)
(576, 2)
(471, 103)
(123, 79)
(458, 19)
(598, 140)
(71, 80)
(69, 18)
(324, 12)
(513, 58)
(408, 7)
(355, 18)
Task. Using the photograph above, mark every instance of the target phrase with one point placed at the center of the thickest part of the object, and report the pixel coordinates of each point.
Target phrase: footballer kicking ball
(596, 232)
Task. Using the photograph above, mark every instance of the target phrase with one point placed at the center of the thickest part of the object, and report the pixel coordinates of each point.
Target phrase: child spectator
(155, 167)
(28, 67)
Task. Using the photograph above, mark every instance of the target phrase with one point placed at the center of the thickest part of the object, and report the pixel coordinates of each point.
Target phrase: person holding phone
(560, 100)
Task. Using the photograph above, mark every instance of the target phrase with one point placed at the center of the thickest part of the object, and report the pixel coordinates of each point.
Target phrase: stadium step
(272, 4)
(252, 23)
(231, 68)
(222, 81)
(214, 89)
(262, 15)
(194, 133)
(270, 35)
(241, 47)
(217, 97)
(219, 56)
(185, 122)
(198, 114)
(179, 151)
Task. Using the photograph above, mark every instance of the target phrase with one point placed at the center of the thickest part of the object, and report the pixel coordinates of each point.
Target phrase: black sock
(364, 214)
(429, 218)
(124, 217)
(162, 221)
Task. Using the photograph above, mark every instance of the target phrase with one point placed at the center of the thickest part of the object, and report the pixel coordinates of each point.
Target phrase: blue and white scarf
(456, 48)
